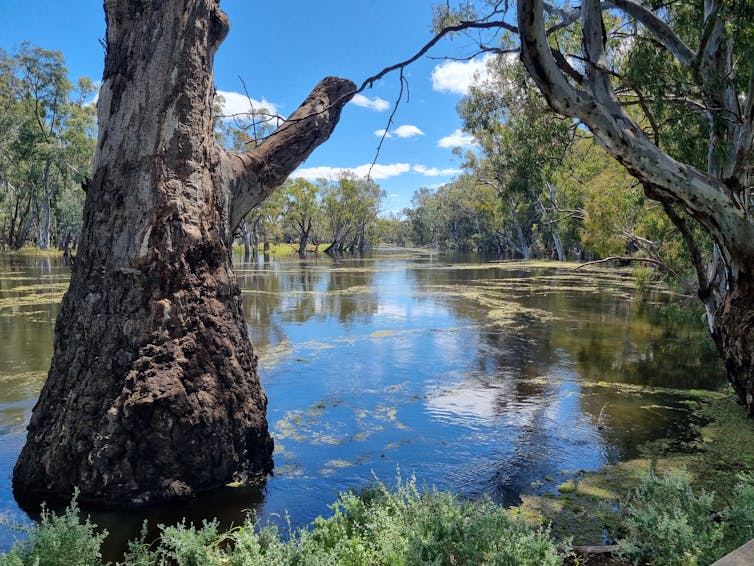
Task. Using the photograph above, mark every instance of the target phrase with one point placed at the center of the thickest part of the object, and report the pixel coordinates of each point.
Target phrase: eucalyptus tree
(699, 59)
(707, 50)
(348, 206)
(365, 205)
(422, 218)
(523, 146)
(300, 210)
(463, 215)
(153, 391)
(47, 131)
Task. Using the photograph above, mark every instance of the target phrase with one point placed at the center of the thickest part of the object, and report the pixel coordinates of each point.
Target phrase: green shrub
(738, 518)
(667, 524)
(403, 526)
(57, 540)
(406, 526)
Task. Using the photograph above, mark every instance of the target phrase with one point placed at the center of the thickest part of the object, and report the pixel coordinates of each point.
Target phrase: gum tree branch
(253, 175)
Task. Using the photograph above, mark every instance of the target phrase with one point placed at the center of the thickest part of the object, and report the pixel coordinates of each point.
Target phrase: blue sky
(282, 48)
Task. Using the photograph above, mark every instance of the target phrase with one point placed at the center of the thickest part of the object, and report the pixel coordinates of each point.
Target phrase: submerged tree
(153, 391)
(301, 209)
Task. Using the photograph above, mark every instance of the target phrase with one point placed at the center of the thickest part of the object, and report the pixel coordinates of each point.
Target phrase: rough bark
(716, 198)
(153, 391)
(733, 324)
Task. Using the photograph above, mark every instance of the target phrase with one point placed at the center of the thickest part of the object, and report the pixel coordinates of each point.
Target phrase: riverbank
(405, 525)
(584, 508)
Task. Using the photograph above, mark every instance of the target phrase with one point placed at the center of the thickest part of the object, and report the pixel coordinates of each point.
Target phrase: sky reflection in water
(481, 378)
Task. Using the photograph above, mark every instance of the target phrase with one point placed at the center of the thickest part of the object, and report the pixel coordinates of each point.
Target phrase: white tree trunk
(716, 199)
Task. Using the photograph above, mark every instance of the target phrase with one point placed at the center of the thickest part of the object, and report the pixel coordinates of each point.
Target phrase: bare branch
(622, 258)
(251, 106)
(491, 24)
(657, 262)
(385, 133)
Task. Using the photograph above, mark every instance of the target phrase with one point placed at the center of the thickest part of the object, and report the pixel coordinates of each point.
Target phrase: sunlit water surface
(484, 378)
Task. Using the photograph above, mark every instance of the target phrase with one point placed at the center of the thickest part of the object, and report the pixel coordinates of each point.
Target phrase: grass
(280, 249)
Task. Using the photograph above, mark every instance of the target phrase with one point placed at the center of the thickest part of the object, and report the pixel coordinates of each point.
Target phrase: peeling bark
(714, 198)
(153, 391)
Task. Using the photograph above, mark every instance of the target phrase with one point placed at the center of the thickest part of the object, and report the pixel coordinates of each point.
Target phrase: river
(480, 377)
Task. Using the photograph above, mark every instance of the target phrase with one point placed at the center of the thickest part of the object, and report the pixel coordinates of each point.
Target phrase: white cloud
(457, 76)
(378, 171)
(457, 139)
(237, 103)
(407, 131)
(434, 171)
(375, 103)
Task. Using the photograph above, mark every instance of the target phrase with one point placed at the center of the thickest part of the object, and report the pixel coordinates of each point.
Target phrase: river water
(475, 376)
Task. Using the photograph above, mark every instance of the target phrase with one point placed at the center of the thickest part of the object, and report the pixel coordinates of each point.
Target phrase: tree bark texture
(153, 391)
(716, 198)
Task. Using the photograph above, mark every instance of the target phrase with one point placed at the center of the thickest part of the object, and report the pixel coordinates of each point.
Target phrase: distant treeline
(535, 186)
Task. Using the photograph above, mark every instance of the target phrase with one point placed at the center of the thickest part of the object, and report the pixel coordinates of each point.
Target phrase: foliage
(58, 540)
(667, 523)
(349, 206)
(739, 517)
(47, 139)
(670, 525)
(377, 526)
(663, 519)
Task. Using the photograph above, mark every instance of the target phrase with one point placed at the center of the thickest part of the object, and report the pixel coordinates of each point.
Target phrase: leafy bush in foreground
(739, 517)
(379, 526)
(666, 523)
(57, 540)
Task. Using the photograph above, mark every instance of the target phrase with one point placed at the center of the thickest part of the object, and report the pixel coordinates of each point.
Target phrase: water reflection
(477, 377)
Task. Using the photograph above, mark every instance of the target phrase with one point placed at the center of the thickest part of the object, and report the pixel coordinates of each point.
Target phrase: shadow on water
(478, 377)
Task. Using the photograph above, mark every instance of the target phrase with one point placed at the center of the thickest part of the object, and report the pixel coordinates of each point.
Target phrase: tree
(153, 390)
(523, 145)
(348, 206)
(48, 143)
(301, 208)
(706, 81)
(716, 69)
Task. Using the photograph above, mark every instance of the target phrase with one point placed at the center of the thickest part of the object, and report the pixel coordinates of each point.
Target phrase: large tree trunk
(153, 391)
(733, 331)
